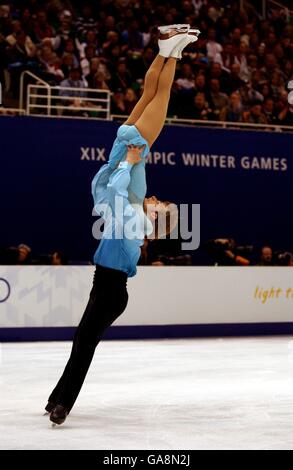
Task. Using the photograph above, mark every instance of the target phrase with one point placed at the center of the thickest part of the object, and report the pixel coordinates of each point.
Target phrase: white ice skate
(177, 51)
(169, 40)
(174, 38)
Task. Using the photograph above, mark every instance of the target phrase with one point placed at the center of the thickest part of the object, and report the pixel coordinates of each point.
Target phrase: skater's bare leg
(152, 120)
(149, 91)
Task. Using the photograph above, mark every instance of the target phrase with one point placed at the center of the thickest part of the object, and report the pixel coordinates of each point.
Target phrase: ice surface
(234, 393)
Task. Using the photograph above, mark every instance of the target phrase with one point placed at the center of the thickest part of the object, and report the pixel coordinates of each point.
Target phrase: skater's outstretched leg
(152, 120)
(137, 187)
(149, 90)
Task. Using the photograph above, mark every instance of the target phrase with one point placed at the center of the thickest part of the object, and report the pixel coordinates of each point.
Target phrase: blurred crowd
(237, 71)
(218, 252)
(226, 252)
(22, 254)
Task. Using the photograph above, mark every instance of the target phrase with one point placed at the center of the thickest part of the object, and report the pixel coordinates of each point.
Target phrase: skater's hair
(166, 221)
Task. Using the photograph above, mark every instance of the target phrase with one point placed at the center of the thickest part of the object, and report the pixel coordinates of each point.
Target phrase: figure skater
(123, 177)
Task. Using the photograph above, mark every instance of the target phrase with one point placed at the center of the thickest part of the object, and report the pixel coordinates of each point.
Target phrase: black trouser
(108, 300)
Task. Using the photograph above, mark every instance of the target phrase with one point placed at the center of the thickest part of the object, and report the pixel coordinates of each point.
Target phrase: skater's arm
(117, 153)
(99, 187)
(101, 179)
(120, 178)
(119, 182)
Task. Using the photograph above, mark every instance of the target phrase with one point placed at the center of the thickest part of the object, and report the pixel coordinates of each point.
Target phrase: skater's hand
(134, 154)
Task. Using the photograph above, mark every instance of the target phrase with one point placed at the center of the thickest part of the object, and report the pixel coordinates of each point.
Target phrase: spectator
(114, 54)
(233, 112)
(65, 32)
(223, 251)
(17, 255)
(100, 82)
(133, 37)
(288, 69)
(67, 64)
(90, 53)
(109, 24)
(58, 258)
(52, 66)
(286, 116)
(201, 110)
(265, 90)
(268, 110)
(130, 100)
(218, 100)
(216, 71)
(214, 49)
(121, 79)
(186, 80)
(16, 28)
(24, 252)
(74, 81)
(66, 29)
(21, 56)
(27, 23)
(228, 56)
(249, 95)
(270, 66)
(277, 83)
(266, 256)
(224, 31)
(255, 115)
(42, 28)
(94, 68)
(5, 19)
(112, 39)
(241, 60)
(283, 258)
(85, 22)
(70, 48)
(248, 30)
(91, 39)
(71, 96)
(139, 64)
(236, 37)
(96, 65)
(234, 81)
(21, 40)
(252, 64)
(89, 48)
(254, 41)
(118, 105)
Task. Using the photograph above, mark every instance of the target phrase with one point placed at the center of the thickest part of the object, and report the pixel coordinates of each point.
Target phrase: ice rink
(234, 393)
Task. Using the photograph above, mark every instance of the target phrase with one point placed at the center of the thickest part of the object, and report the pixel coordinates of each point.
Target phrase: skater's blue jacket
(124, 226)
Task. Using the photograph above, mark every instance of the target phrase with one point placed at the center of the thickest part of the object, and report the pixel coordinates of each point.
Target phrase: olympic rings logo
(5, 291)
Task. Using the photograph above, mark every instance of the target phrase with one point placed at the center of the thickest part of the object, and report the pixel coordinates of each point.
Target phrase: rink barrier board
(46, 302)
(150, 332)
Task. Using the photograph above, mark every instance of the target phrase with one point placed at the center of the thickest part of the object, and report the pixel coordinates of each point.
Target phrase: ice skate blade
(170, 27)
